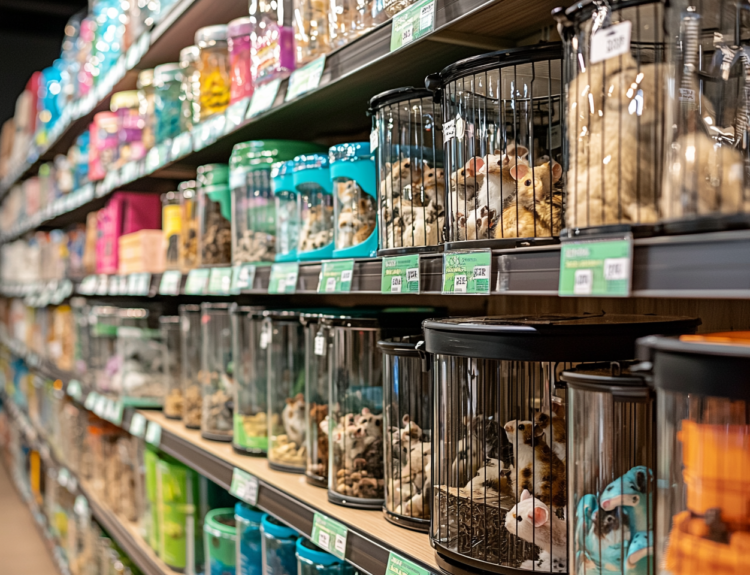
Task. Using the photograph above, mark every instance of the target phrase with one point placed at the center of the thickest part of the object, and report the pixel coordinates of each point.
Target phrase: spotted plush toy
(601, 538)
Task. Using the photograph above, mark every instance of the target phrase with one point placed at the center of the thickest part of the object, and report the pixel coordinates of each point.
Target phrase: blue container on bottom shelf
(312, 560)
(354, 180)
(279, 547)
(249, 552)
(312, 180)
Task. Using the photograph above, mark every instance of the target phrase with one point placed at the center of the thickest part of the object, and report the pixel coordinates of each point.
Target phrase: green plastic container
(151, 518)
(220, 530)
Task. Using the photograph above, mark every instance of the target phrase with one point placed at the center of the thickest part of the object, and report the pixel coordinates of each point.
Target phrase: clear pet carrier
(170, 335)
(407, 396)
(411, 182)
(611, 440)
(702, 452)
(502, 126)
(217, 372)
(615, 89)
(499, 467)
(251, 374)
(706, 177)
(190, 344)
(284, 343)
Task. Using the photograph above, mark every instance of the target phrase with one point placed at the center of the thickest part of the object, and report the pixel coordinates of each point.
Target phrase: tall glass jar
(214, 203)
(167, 104)
(273, 44)
(217, 372)
(190, 344)
(312, 179)
(251, 375)
(254, 211)
(189, 226)
(311, 32)
(239, 32)
(171, 223)
(170, 335)
(190, 90)
(214, 69)
(286, 391)
(147, 103)
(129, 127)
(287, 213)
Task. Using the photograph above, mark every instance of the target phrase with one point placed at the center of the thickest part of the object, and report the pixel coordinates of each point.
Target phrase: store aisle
(22, 550)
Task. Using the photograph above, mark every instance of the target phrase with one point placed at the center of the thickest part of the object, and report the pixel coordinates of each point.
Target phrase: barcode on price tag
(616, 268)
(407, 35)
(331, 284)
(323, 539)
(412, 275)
(426, 15)
(340, 544)
(459, 284)
(610, 42)
(396, 284)
(584, 282)
(346, 276)
(481, 272)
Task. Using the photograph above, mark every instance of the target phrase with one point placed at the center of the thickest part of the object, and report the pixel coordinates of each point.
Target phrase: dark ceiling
(31, 33)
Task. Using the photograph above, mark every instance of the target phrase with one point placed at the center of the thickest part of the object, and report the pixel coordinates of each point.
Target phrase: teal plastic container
(220, 531)
(312, 560)
(312, 180)
(279, 547)
(249, 548)
(354, 181)
(287, 211)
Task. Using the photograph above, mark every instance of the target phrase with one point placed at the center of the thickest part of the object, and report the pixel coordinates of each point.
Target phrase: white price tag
(340, 544)
(291, 279)
(616, 268)
(407, 35)
(396, 284)
(264, 339)
(412, 275)
(323, 540)
(320, 345)
(374, 140)
(426, 16)
(610, 42)
(481, 272)
(687, 95)
(330, 284)
(137, 425)
(584, 282)
(449, 130)
(459, 284)
(346, 276)
(153, 433)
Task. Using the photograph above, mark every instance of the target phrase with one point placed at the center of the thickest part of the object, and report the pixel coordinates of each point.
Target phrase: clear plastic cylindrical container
(286, 391)
(612, 449)
(279, 544)
(126, 106)
(171, 332)
(171, 224)
(273, 43)
(249, 547)
(702, 453)
(287, 211)
(239, 34)
(215, 80)
(407, 396)
(167, 105)
(220, 529)
(350, 19)
(190, 91)
(411, 181)
(215, 215)
(147, 107)
(317, 365)
(312, 180)
(189, 228)
(190, 344)
(102, 329)
(311, 30)
(354, 181)
(253, 207)
(312, 560)
(217, 372)
(251, 376)
(139, 375)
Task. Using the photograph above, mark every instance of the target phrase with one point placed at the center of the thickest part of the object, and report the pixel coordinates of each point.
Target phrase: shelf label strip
(467, 272)
(244, 486)
(330, 535)
(597, 267)
(400, 274)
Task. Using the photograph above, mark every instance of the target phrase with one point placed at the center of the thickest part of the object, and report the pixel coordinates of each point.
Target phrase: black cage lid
(552, 337)
(398, 95)
(495, 60)
(614, 377)
(405, 345)
(712, 365)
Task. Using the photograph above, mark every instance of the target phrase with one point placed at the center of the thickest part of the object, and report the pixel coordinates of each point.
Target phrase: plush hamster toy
(600, 538)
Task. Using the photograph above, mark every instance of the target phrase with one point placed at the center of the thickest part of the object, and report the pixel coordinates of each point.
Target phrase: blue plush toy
(599, 538)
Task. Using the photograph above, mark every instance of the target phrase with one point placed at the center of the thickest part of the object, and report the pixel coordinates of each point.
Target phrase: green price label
(220, 281)
(336, 276)
(467, 272)
(102, 285)
(413, 23)
(235, 115)
(598, 268)
(113, 412)
(100, 407)
(243, 277)
(157, 156)
(330, 535)
(87, 286)
(197, 282)
(244, 486)
(170, 283)
(397, 565)
(74, 389)
(263, 98)
(208, 131)
(400, 274)
(283, 278)
(182, 145)
(137, 425)
(139, 284)
(153, 433)
(130, 171)
(90, 400)
(305, 79)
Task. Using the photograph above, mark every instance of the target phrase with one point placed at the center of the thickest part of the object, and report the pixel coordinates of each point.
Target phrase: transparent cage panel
(615, 111)
(316, 218)
(408, 450)
(251, 407)
(355, 213)
(103, 357)
(356, 402)
(286, 394)
(707, 158)
(216, 234)
(703, 466)
(498, 461)
(505, 166)
(254, 219)
(411, 181)
(612, 485)
(287, 222)
(173, 398)
(139, 376)
(317, 356)
(190, 342)
(217, 374)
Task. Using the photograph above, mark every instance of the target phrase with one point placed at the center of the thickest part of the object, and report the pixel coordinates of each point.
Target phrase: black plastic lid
(701, 367)
(398, 95)
(405, 345)
(614, 377)
(496, 60)
(553, 337)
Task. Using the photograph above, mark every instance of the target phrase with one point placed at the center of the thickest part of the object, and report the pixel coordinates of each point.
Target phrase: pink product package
(125, 213)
